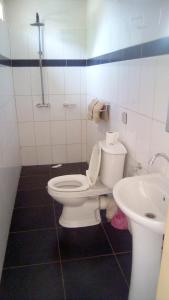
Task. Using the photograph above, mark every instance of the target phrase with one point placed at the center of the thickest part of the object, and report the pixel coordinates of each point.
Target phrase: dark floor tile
(125, 261)
(120, 239)
(94, 279)
(33, 198)
(83, 242)
(35, 170)
(32, 218)
(32, 247)
(58, 211)
(71, 168)
(33, 182)
(41, 282)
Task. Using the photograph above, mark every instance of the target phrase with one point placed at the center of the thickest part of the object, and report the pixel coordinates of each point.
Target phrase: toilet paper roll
(112, 137)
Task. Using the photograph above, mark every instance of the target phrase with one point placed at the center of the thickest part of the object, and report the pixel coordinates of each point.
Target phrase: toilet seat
(69, 183)
(78, 182)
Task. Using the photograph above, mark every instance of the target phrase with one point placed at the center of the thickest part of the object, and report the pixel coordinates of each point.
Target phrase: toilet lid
(94, 165)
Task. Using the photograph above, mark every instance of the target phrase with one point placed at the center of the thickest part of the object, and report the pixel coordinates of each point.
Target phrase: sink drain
(150, 215)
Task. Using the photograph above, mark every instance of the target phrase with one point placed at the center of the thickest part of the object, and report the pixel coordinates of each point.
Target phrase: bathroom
(114, 52)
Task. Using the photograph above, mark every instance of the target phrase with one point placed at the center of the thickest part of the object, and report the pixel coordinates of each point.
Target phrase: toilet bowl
(80, 194)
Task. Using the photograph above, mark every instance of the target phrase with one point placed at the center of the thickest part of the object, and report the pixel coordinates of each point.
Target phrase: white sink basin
(144, 200)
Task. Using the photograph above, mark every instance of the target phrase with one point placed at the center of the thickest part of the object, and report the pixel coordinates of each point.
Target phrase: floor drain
(150, 215)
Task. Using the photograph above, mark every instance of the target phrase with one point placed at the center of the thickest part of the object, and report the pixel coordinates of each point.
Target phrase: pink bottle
(119, 221)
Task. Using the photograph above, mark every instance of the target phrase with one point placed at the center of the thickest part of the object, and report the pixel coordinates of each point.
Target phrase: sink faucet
(155, 156)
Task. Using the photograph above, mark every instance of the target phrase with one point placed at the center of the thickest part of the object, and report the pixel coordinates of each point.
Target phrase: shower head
(37, 23)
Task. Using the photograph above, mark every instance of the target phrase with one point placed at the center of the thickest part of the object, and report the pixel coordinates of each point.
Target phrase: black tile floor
(45, 261)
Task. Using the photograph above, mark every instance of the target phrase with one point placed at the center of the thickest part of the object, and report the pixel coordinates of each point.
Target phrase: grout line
(60, 260)
(123, 252)
(115, 255)
(87, 257)
(34, 175)
(29, 189)
(31, 265)
(33, 206)
(32, 230)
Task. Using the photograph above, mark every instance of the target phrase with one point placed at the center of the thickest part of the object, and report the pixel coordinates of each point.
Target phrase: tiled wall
(56, 134)
(9, 144)
(139, 87)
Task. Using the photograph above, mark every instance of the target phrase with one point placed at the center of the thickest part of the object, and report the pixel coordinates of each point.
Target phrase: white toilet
(81, 195)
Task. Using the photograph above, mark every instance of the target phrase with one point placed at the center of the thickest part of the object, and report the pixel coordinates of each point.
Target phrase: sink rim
(156, 225)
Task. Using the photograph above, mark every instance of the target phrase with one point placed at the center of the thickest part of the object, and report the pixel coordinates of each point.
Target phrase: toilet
(83, 196)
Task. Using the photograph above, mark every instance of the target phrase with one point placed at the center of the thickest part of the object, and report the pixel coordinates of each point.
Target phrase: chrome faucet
(155, 156)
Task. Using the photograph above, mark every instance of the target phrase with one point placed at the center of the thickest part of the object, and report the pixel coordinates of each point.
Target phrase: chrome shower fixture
(39, 24)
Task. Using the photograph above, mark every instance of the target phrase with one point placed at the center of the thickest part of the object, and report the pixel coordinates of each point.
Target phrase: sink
(144, 199)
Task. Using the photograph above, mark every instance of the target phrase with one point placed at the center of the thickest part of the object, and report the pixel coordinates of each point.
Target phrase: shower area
(48, 51)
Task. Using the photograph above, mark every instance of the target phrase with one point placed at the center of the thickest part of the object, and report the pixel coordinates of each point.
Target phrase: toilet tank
(112, 163)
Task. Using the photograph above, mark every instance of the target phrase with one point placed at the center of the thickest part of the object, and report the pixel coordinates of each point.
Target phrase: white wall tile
(73, 43)
(161, 89)
(29, 156)
(26, 134)
(74, 112)
(84, 131)
(159, 143)
(133, 82)
(59, 154)
(6, 81)
(57, 110)
(24, 108)
(58, 132)
(74, 153)
(72, 80)
(44, 155)
(36, 81)
(83, 106)
(19, 41)
(84, 153)
(42, 133)
(40, 113)
(147, 86)
(143, 129)
(53, 40)
(83, 83)
(21, 77)
(130, 133)
(33, 41)
(73, 131)
(123, 87)
(56, 80)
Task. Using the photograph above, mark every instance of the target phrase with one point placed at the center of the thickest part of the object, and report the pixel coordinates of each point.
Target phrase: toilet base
(86, 214)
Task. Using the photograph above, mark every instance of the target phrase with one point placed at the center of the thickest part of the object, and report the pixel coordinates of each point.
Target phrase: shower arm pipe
(39, 25)
(41, 71)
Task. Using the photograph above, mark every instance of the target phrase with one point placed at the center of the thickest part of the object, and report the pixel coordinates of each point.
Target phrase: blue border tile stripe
(49, 62)
(152, 48)
(149, 49)
(5, 60)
